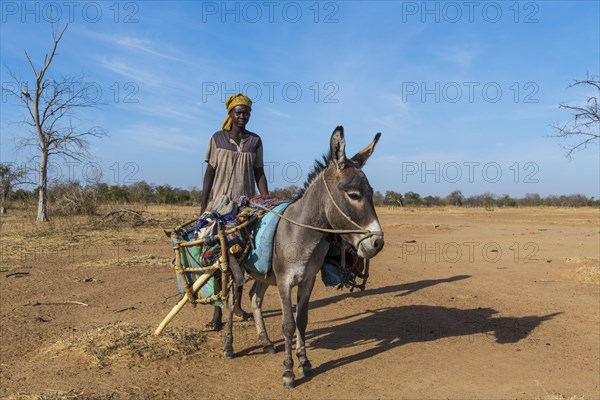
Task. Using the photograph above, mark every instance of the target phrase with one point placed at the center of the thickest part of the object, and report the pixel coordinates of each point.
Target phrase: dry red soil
(461, 303)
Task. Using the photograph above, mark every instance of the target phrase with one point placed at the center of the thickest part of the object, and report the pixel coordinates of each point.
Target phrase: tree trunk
(42, 214)
(5, 193)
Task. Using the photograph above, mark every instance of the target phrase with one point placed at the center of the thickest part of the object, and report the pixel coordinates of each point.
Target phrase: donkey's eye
(354, 196)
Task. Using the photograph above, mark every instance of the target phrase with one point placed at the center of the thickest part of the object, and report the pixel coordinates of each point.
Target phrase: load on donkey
(283, 243)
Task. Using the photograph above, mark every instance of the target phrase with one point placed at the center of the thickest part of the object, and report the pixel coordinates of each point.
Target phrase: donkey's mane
(318, 167)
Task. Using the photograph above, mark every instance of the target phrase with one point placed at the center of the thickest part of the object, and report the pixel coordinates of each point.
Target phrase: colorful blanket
(208, 226)
(261, 232)
(261, 254)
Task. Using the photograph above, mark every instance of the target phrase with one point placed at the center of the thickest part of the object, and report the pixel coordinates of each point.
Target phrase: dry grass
(13, 267)
(54, 396)
(127, 342)
(555, 396)
(25, 242)
(148, 260)
(558, 396)
(61, 396)
(581, 260)
(588, 274)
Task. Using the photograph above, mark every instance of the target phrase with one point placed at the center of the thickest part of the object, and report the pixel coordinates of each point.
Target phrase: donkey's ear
(362, 156)
(338, 148)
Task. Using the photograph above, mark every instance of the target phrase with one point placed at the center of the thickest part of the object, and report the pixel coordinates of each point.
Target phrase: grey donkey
(336, 196)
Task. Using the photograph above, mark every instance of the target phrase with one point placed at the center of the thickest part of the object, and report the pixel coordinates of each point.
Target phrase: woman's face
(240, 115)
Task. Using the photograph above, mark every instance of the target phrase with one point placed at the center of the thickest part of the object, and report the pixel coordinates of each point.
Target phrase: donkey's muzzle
(370, 246)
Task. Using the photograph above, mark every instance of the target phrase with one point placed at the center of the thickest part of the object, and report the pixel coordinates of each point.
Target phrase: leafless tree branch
(51, 108)
(584, 127)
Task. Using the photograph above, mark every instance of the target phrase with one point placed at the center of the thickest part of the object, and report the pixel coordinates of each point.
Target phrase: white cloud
(460, 56)
(133, 43)
(164, 137)
(394, 111)
(130, 71)
(278, 113)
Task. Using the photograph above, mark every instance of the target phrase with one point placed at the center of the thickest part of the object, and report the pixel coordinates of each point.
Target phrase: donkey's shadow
(405, 289)
(391, 327)
(388, 328)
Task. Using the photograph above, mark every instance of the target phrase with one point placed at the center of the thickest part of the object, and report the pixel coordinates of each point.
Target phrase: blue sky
(464, 92)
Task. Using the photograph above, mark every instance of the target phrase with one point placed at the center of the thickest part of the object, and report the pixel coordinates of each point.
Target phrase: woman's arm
(209, 179)
(261, 181)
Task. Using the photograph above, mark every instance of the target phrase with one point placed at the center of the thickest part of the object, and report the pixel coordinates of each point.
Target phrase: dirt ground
(461, 303)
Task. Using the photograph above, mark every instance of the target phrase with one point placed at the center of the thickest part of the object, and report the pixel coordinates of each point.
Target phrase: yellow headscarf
(232, 101)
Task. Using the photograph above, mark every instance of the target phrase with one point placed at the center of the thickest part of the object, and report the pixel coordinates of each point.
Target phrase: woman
(234, 165)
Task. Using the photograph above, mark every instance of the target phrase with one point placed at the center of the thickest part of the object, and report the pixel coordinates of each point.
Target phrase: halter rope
(326, 230)
(314, 228)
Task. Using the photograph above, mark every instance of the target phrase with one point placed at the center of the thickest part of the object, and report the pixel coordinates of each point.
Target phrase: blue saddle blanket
(261, 256)
(259, 259)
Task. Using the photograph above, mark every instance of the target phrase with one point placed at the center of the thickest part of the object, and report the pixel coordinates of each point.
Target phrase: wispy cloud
(178, 113)
(144, 46)
(278, 113)
(393, 112)
(460, 56)
(129, 71)
(133, 43)
(183, 70)
(164, 138)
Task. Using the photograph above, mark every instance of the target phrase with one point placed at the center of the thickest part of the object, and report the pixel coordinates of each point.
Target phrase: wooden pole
(224, 263)
(179, 268)
(195, 287)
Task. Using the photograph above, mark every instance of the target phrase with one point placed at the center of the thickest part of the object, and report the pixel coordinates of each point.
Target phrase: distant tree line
(456, 198)
(74, 198)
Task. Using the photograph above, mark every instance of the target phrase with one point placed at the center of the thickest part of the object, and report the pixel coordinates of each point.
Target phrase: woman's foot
(214, 326)
(215, 323)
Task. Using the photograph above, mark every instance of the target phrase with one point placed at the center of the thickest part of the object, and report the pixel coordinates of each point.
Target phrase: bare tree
(456, 198)
(10, 176)
(54, 127)
(584, 127)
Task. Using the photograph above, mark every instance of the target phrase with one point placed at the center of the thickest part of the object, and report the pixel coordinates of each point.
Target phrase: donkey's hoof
(306, 369)
(288, 379)
(228, 354)
(288, 382)
(269, 349)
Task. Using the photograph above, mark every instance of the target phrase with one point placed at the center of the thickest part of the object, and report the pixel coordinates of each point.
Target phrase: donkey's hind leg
(304, 291)
(257, 295)
(228, 345)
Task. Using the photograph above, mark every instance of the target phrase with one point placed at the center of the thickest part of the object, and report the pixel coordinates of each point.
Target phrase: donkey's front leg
(228, 345)
(304, 291)
(288, 327)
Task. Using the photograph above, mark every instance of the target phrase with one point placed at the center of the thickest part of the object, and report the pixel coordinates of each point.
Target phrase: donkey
(336, 197)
